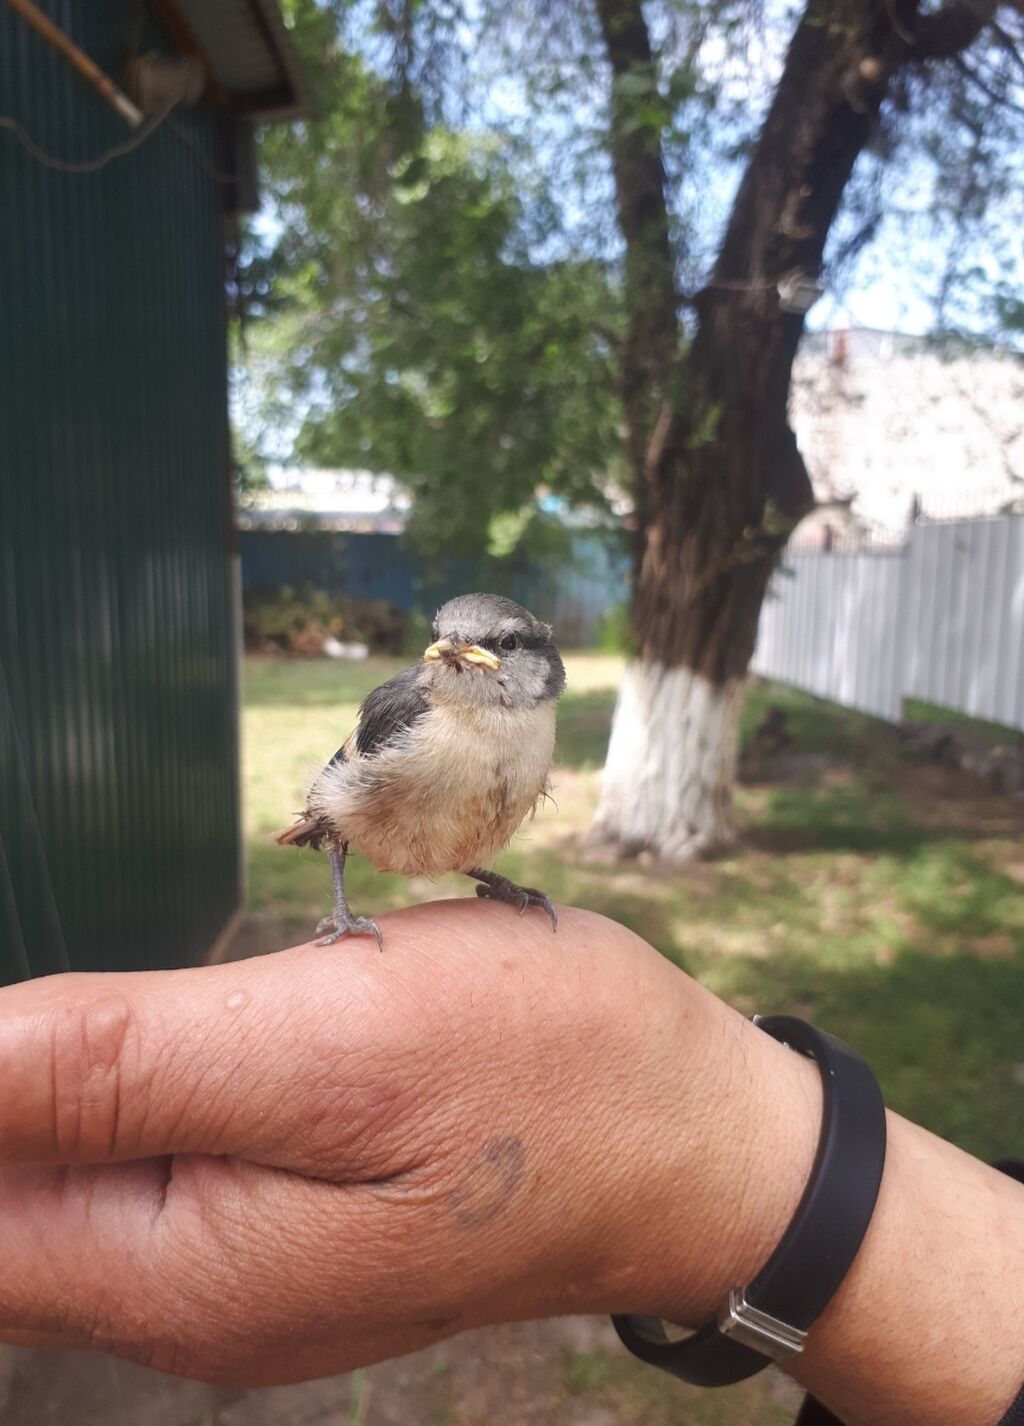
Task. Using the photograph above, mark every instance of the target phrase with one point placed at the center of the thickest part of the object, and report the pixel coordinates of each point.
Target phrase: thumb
(238, 1059)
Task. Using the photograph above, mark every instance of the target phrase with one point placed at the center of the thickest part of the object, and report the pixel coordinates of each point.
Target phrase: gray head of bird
(487, 649)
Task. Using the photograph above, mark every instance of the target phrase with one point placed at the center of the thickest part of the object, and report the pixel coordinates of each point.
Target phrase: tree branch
(1008, 43)
(950, 30)
(1002, 100)
(837, 68)
(652, 300)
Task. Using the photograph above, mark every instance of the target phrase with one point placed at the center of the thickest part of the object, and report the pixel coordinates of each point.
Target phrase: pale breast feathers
(425, 788)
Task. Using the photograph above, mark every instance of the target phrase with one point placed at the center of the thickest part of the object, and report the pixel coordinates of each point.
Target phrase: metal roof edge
(278, 106)
(278, 103)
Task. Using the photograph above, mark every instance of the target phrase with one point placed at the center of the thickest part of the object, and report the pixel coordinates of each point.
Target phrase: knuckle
(90, 1044)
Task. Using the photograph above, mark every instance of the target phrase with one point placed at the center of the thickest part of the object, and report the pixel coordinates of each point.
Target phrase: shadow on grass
(953, 892)
(929, 894)
(942, 1033)
(816, 726)
(584, 723)
(917, 710)
(858, 817)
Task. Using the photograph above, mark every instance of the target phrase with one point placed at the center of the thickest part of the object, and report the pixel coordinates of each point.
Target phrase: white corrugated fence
(941, 619)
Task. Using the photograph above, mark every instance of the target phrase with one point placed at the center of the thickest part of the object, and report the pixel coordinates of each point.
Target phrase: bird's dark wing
(388, 711)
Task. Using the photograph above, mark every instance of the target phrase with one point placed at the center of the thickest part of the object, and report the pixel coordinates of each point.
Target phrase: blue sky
(890, 286)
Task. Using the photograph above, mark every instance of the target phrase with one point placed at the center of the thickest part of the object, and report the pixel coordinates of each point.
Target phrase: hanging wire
(93, 165)
(89, 165)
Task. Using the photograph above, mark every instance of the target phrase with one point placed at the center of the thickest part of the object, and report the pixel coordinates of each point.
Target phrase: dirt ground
(571, 1372)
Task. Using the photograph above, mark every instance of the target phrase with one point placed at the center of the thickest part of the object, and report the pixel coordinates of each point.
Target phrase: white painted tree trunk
(671, 766)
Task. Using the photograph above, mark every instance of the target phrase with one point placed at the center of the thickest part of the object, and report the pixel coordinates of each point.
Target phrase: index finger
(216, 1060)
(303, 1060)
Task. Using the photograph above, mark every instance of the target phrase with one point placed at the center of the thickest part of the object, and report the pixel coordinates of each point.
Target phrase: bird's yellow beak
(461, 653)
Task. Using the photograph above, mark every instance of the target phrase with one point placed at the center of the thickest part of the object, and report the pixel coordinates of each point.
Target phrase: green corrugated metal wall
(119, 825)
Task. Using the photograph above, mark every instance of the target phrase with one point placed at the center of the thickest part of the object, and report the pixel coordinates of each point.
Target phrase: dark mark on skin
(493, 1178)
(438, 1324)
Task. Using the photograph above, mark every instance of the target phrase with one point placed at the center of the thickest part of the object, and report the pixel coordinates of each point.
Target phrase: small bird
(446, 761)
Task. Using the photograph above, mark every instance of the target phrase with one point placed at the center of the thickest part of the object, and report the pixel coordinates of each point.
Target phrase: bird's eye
(508, 642)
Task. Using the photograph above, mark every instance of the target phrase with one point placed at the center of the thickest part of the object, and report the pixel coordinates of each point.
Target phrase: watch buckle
(751, 1327)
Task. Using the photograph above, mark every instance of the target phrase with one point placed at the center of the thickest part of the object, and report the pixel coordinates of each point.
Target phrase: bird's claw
(331, 929)
(522, 896)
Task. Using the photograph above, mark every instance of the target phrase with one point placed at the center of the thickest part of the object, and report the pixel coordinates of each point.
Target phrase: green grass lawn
(882, 897)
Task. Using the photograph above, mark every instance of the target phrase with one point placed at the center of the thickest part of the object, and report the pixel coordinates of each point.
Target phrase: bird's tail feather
(307, 832)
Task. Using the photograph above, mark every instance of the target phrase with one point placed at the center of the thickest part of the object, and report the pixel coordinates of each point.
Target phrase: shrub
(297, 621)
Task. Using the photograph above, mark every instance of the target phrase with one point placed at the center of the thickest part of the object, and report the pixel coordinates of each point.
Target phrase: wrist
(711, 1164)
(711, 1148)
(756, 1110)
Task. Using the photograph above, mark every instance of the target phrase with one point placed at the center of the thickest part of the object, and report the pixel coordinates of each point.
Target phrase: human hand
(289, 1166)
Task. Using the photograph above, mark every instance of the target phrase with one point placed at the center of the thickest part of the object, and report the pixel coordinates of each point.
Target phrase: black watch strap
(768, 1319)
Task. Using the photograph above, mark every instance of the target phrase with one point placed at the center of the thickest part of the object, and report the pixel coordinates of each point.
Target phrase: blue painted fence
(573, 593)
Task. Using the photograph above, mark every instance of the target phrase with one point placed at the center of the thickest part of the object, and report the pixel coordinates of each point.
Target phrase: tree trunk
(671, 763)
(720, 482)
(716, 518)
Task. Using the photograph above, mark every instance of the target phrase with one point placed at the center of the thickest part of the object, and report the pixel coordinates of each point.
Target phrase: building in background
(119, 790)
(893, 427)
(337, 531)
(357, 501)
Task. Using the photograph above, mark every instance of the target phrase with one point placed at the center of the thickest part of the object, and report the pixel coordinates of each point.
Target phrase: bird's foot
(499, 888)
(333, 928)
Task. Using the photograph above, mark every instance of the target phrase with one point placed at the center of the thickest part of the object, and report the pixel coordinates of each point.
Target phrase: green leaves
(415, 323)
